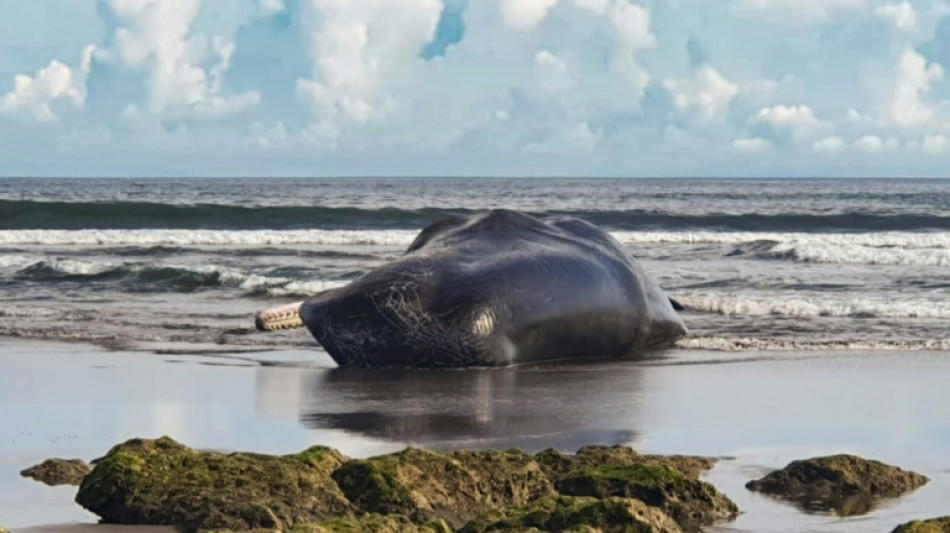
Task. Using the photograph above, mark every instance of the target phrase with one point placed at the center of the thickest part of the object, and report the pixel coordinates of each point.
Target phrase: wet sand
(760, 410)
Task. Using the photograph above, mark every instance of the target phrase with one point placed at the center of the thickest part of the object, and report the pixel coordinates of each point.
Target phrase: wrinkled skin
(496, 289)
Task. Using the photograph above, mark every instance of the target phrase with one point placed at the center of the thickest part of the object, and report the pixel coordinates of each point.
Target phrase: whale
(492, 289)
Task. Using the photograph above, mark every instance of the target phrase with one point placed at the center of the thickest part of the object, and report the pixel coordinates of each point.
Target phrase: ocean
(172, 265)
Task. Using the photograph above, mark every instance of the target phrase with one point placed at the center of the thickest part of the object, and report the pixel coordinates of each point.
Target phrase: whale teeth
(283, 317)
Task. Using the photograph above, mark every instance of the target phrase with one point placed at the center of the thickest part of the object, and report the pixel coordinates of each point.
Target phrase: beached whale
(492, 289)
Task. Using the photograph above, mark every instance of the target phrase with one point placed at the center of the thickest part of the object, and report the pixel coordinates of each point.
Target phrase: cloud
(707, 91)
(802, 10)
(914, 79)
(551, 72)
(272, 7)
(34, 96)
(870, 144)
(751, 145)
(358, 49)
(477, 87)
(935, 144)
(525, 14)
(799, 121)
(902, 15)
(830, 145)
(183, 71)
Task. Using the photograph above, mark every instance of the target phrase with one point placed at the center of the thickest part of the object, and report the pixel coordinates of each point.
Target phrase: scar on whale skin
(283, 317)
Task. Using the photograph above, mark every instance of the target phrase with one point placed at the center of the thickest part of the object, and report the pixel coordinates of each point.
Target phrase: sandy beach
(758, 411)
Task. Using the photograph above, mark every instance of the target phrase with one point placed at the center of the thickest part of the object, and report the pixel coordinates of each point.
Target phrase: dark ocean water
(170, 265)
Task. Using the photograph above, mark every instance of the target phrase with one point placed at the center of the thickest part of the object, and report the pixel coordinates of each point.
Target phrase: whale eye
(484, 323)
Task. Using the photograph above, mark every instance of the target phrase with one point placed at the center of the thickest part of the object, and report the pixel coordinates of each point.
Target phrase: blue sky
(474, 87)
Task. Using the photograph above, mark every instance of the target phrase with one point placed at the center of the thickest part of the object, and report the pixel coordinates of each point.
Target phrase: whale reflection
(563, 406)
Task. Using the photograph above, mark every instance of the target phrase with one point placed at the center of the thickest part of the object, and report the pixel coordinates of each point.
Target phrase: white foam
(883, 239)
(754, 344)
(197, 237)
(833, 253)
(159, 237)
(798, 306)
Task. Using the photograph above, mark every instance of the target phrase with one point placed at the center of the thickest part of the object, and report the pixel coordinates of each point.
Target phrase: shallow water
(761, 411)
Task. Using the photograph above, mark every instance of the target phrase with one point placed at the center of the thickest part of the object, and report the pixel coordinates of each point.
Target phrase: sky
(640, 88)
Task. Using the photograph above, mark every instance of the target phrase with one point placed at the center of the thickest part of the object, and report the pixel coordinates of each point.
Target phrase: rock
(162, 482)
(373, 523)
(455, 487)
(566, 513)
(690, 502)
(54, 472)
(845, 484)
(557, 465)
(934, 525)
(4, 530)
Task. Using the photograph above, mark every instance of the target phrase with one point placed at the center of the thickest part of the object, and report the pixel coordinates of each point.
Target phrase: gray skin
(496, 289)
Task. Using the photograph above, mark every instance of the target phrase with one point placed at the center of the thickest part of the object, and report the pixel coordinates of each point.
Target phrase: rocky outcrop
(4, 530)
(934, 525)
(557, 464)
(456, 486)
(603, 489)
(845, 484)
(566, 513)
(55, 472)
(162, 482)
(691, 502)
(373, 523)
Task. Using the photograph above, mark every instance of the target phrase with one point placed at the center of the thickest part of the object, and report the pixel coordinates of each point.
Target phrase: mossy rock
(455, 487)
(557, 465)
(55, 472)
(846, 484)
(566, 513)
(691, 502)
(162, 482)
(934, 525)
(373, 523)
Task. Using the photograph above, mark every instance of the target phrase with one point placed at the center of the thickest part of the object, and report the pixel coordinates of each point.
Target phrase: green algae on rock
(691, 502)
(846, 484)
(55, 472)
(373, 523)
(557, 464)
(162, 482)
(455, 486)
(575, 514)
(933, 525)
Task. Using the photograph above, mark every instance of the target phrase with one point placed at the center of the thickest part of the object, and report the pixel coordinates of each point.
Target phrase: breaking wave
(797, 306)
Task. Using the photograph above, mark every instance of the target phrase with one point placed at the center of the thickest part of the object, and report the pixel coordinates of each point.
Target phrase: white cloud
(798, 120)
(34, 95)
(525, 14)
(551, 73)
(830, 145)
(914, 78)
(597, 7)
(707, 91)
(359, 47)
(870, 144)
(801, 10)
(272, 7)
(935, 144)
(751, 145)
(631, 24)
(155, 36)
(902, 15)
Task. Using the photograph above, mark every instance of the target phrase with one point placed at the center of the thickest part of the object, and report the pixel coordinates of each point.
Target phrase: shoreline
(72, 400)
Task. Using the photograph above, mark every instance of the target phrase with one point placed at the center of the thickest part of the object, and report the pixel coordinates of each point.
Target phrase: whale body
(492, 289)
